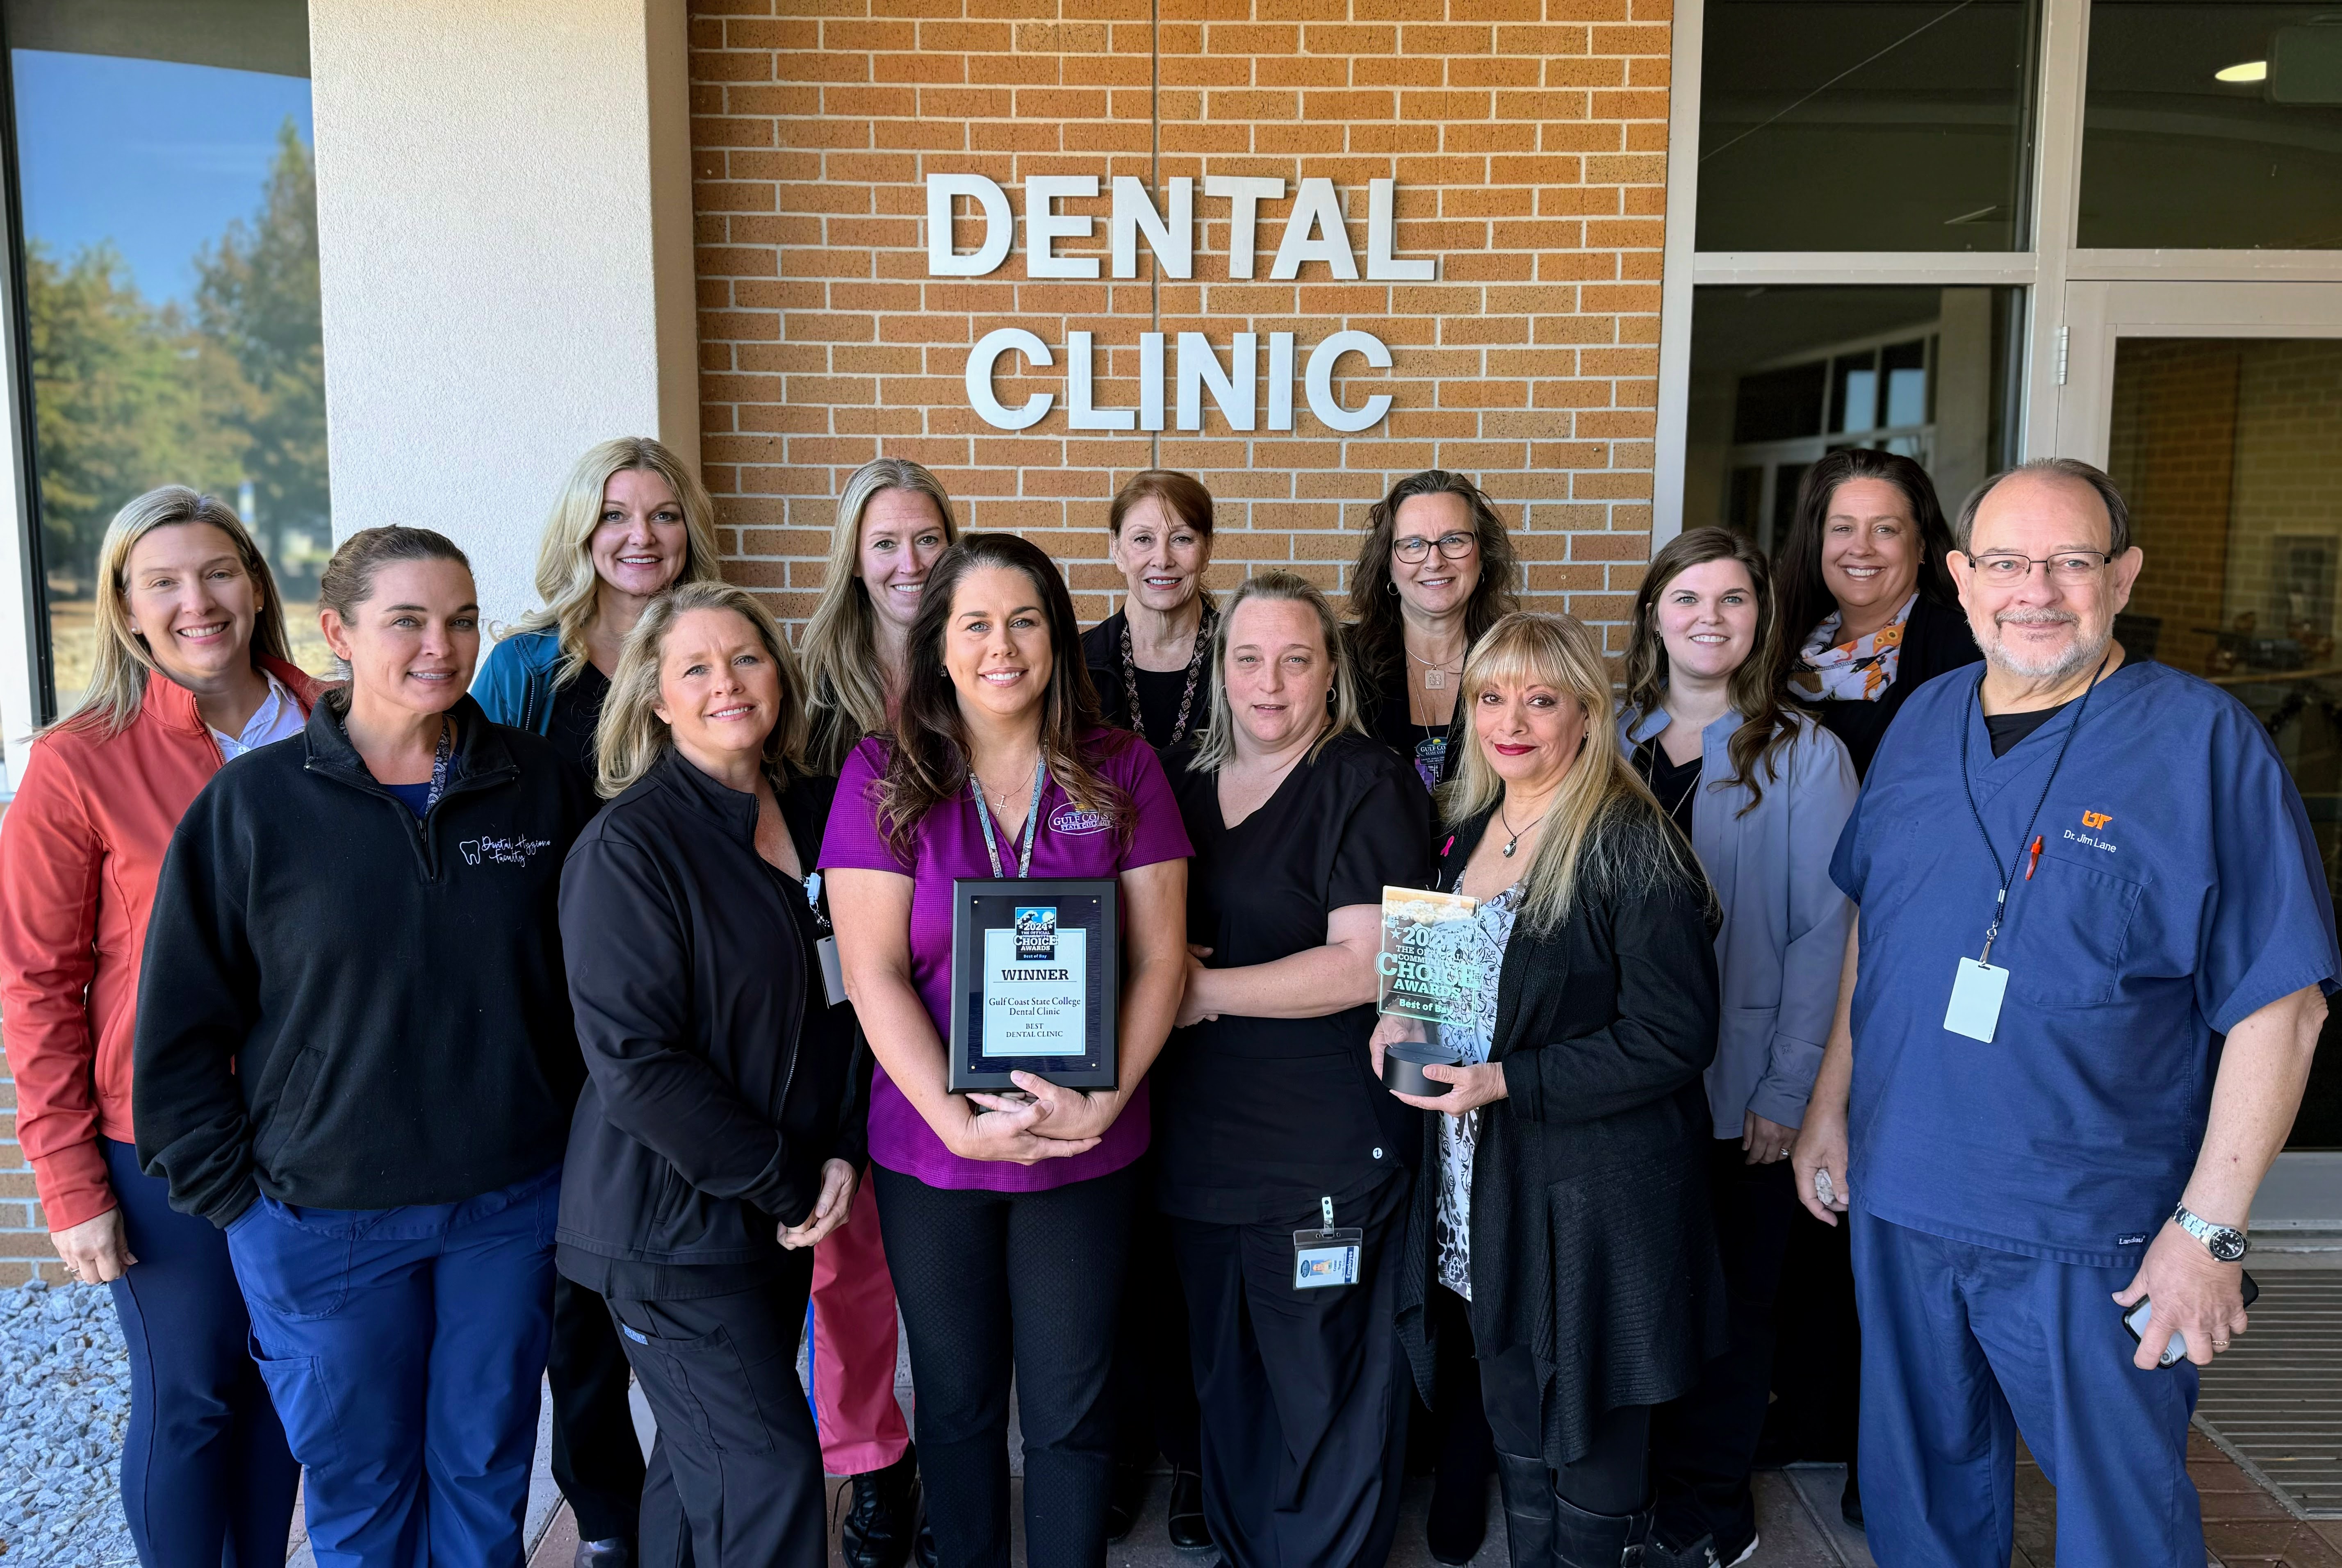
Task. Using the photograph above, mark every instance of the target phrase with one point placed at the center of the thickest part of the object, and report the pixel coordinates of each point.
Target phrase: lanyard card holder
(1327, 1257)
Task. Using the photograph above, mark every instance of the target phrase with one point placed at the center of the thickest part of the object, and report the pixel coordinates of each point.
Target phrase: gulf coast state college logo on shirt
(2094, 823)
(1071, 818)
(517, 849)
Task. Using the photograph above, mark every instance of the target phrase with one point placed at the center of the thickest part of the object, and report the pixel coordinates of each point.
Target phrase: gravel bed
(66, 1382)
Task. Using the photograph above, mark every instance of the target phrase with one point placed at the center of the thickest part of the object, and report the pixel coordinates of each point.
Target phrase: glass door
(2217, 408)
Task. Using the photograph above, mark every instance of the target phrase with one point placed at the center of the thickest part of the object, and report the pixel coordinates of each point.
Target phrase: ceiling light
(2247, 70)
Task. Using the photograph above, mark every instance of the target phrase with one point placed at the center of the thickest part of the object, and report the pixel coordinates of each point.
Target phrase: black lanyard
(1032, 821)
(2008, 877)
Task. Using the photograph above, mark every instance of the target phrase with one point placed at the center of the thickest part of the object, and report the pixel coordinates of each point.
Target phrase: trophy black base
(1403, 1066)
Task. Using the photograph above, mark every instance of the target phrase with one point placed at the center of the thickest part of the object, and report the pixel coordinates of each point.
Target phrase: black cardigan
(706, 1116)
(1592, 1244)
(346, 1007)
(1936, 639)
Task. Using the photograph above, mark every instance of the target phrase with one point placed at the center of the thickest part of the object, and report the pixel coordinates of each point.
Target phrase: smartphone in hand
(2135, 1320)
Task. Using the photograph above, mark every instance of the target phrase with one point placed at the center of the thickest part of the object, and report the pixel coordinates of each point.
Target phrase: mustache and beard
(2080, 654)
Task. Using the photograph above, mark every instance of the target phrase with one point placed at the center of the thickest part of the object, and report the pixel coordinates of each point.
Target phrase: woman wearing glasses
(1868, 610)
(1436, 570)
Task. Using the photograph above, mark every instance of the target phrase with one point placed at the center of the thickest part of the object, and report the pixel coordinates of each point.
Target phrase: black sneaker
(618, 1552)
(884, 1516)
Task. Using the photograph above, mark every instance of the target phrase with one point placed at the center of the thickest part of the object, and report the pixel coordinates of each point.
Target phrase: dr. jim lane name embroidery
(1037, 933)
(501, 851)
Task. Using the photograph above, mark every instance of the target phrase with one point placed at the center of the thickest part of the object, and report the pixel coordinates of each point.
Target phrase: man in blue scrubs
(2075, 873)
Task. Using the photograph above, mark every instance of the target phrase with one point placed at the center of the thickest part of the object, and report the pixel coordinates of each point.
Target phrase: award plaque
(1036, 981)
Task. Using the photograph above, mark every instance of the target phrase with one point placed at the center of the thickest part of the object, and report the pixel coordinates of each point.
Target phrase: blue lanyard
(1032, 821)
(2008, 878)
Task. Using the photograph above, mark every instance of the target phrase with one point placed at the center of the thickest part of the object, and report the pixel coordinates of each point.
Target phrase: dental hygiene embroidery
(501, 851)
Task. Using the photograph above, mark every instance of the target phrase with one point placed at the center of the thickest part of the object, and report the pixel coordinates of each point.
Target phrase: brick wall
(24, 1228)
(2171, 447)
(1527, 140)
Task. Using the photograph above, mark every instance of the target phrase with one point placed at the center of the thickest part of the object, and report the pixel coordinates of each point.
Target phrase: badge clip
(1326, 1257)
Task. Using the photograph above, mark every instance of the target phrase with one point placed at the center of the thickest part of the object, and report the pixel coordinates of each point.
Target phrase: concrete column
(503, 214)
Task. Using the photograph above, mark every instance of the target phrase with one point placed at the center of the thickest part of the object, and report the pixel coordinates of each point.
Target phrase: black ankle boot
(1458, 1521)
(1583, 1539)
(1527, 1487)
(884, 1516)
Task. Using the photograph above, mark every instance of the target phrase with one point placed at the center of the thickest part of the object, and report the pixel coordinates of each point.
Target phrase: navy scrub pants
(1965, 1346)
(403, 1349)
(206, 1479)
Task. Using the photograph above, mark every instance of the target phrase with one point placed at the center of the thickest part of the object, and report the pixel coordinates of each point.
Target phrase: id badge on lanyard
(833, 973)
(1325, 1258)
(1977, 987)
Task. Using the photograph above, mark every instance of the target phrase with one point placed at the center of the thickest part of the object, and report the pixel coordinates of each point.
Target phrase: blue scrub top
(2179, 891)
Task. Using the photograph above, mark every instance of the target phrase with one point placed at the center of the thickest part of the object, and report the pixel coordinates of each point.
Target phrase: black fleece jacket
(343, 1007)
(721, 1079)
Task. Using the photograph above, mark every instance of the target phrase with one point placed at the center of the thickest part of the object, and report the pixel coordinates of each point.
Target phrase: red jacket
(80, 848)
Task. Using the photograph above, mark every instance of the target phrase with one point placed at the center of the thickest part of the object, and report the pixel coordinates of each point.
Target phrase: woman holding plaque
(1437, 570)
(1761, 792)
(1008, 1218)
(1147, 660)
(1563, 1200)
(1268, 1115)
(719, 1135)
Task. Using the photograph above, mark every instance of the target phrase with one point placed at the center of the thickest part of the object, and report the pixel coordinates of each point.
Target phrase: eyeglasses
(2006, 568)
(1453, 546)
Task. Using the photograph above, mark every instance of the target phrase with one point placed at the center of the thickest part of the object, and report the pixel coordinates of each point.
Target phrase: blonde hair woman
(191, 670)
(894, 523)
(719, 1134)
(1564, 1202)
(894, 519)
(1299, 819)
(632, 522)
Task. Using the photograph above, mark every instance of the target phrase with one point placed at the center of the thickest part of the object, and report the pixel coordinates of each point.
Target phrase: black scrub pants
(597, 1460)
(996, 1283)
(1153, 1387)
(735, 1478)
(1303, 1394)
(1703, 1444)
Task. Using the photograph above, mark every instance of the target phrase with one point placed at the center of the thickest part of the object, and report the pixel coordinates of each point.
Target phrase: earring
(1393, 587)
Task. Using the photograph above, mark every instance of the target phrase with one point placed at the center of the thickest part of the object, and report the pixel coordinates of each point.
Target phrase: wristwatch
(2225, 1242)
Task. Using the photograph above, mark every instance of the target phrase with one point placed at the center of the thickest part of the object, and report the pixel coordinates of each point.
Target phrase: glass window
(2213, 125)
(2230, 455)
(169, 235)
(1781, 375)
(1865, 124)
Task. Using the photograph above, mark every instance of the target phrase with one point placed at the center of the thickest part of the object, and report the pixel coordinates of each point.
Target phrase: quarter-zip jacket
(720, 1078)
(80, 848)
(345, 1007)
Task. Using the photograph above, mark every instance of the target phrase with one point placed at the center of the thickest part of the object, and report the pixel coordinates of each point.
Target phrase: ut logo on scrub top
(2095, 819)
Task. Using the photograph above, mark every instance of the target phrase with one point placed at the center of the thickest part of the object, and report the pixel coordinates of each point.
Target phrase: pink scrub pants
(860, 1424)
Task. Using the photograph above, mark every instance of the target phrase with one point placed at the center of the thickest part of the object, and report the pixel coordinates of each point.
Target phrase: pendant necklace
(1196, 659)
(1513, 842)
(1000, 802)
(1434, 675)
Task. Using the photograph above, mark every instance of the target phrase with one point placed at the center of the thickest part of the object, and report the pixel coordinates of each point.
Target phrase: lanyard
(1032, 821)
(2008, 877)
(440, 765)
